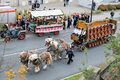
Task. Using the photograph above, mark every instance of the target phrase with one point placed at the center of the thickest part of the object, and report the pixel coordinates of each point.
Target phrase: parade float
(47, 21)
(95, 33)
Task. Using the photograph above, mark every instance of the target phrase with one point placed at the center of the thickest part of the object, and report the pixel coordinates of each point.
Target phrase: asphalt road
(59, 69)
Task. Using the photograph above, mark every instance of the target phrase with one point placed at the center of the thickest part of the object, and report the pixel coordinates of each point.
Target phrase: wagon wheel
(89, 45)
(73, 45)
(82, 48)
(112, 37)
(56, 32)
(7, 39)
(40, 34)
(2, 35)
(21, 36)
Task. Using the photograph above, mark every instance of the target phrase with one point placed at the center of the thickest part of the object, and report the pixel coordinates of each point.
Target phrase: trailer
(7, 14)
(47, 21)
(93, 34)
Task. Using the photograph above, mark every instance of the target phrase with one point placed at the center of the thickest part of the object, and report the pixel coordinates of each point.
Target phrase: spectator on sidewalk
(64, 24)
(88, 18)
(74, 21)
(24, 18)
(64, 3)
(22, 24)
(41, 1)
(19, 17)
(30, 2)
(69, 22)
(112, 14)
(67, 2)
(93, 5)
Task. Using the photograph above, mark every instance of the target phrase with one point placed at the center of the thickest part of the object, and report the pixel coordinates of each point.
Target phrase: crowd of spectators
(73, 19)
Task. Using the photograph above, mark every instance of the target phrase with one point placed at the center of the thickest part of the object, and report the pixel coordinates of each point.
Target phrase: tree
(114, 68)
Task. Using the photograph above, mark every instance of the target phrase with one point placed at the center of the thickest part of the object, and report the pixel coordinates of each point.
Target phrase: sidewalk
(104, 15)
(75, 7)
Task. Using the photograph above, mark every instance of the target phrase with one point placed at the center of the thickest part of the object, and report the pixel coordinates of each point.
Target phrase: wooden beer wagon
(96, 33)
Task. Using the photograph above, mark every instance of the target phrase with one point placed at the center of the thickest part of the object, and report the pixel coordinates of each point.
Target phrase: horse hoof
(54, 59)
(37, 70)
(65, 58)
(28, 69)
(45, 67)
(60, 57)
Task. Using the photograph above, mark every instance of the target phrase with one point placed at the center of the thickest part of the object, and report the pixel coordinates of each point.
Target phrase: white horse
(57, 47)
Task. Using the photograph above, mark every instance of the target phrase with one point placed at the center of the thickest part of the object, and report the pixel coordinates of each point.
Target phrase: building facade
(88, 3)
(23, 2)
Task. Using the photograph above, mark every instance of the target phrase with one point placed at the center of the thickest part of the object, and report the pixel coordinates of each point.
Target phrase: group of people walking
(72, 20)
(23, 21)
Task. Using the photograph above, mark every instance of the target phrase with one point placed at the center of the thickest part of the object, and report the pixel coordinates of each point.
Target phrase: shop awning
(6, 9)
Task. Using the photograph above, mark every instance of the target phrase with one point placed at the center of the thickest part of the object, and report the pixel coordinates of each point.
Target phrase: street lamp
(91, 11)
(18, 3)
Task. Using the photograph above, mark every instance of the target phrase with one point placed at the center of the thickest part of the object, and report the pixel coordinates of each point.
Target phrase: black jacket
(70, 54)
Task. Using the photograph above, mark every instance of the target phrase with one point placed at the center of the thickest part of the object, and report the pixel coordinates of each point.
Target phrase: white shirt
(84, 32)
(76, 31)
(79, 32)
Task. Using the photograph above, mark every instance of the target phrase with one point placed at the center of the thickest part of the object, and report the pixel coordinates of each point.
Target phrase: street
(9, 52)
(59, 69)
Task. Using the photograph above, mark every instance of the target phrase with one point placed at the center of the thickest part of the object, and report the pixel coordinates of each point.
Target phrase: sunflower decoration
(22, 70)
(10, 75)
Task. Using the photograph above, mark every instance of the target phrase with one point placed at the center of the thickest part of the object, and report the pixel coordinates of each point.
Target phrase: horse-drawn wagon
(46, 21)
(93, 34)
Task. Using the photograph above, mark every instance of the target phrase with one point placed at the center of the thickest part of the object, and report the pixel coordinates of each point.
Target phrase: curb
(71, 76)
(96, 71)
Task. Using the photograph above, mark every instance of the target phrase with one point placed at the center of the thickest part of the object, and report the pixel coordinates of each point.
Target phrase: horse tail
(50, 61)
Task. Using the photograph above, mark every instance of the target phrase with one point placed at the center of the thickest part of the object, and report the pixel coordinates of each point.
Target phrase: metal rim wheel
(21, 36)
(40, 34)
(56, 32)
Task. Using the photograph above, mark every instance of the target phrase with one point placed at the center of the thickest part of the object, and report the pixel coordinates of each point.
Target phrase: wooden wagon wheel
(7, 39)
(56, 32)
(21, 36)
(40, 34)
(89, 45)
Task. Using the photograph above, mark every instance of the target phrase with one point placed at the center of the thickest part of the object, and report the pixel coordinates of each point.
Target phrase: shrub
(111, 7)
(117, 6)
(97, 12)
(103, 8)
